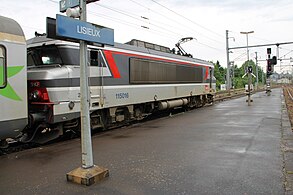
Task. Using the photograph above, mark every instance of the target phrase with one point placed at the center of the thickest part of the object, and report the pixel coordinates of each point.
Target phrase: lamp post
(228, 63)
(249, 74)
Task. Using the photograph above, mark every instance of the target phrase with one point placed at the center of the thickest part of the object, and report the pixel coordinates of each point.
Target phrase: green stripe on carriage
(8, 91)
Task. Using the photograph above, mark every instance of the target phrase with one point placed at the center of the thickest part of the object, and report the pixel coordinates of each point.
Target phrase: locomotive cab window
(3, 68)
(45, 55)
(94, 59)
(97, 58)
(50, 56)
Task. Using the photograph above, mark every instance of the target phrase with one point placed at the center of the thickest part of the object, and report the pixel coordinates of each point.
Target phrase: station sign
(80, 30)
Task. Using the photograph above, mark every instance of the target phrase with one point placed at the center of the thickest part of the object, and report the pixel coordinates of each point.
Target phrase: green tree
(238, 81)
(219, 73)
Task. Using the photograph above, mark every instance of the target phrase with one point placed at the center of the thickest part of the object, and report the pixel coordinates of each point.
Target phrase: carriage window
(3, 68)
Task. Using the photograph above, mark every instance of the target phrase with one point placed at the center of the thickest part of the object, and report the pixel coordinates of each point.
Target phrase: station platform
(227, 148)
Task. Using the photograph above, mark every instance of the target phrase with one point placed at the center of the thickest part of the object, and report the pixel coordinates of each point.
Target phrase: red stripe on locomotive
(112, 64)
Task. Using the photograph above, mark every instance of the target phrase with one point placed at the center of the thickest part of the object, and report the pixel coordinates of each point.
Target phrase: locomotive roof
(39, 41)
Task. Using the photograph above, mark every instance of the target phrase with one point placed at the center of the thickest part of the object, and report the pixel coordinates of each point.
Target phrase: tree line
(237, 81)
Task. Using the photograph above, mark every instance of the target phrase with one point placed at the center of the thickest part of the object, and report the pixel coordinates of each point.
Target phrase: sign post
(81, 30)
(249, 89)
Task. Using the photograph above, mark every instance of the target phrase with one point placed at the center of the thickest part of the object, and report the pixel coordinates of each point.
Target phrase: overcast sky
(167, 21)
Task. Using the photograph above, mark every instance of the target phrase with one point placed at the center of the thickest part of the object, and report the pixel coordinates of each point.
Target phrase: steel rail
(290, 94)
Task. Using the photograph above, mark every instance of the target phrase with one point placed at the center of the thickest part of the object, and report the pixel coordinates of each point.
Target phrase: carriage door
(3, 68)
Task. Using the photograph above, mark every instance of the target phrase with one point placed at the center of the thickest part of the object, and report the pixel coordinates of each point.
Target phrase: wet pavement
(227, 148)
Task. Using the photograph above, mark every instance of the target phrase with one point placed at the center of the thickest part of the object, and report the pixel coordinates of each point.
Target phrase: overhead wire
(286, 54)
(135, 18)
(138, 19)
(187, 18)
(115, 19)
(285, 48)
(160, 27)
(239, 57)
(133, 25)
(188, 28)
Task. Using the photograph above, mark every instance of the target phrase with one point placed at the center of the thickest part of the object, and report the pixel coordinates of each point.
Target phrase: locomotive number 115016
(122, 95)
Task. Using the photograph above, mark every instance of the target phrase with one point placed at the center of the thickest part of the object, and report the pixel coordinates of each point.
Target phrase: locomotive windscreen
(45, 55)
(143, 71)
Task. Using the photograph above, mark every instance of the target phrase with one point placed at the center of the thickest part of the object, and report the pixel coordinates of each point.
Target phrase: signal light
(269, 68)
(269, 51)
(273, 61)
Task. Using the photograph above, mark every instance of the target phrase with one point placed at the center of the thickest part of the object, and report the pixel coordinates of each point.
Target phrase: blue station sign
(80, 30)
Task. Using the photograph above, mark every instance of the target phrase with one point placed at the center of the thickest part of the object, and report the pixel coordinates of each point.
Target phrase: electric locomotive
(127, 82)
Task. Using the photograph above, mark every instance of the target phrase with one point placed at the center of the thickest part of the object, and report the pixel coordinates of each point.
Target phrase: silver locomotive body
(126, 82)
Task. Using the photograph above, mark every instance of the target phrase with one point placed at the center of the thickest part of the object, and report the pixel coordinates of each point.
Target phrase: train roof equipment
(181, 51)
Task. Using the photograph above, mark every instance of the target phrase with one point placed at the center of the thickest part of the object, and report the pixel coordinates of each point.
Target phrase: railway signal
(270, 65)
(273, 61)
(269, 68)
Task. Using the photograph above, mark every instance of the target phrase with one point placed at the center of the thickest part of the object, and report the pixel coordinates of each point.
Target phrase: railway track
(224, 95)
(288, 95)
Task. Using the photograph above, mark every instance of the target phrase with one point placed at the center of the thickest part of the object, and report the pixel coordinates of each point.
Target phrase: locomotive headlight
(39, 94)
(35, 95)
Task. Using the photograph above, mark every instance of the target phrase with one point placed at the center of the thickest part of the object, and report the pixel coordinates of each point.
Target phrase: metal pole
(262, 76)
(278, 55)
(86, 141)
(247, 49)
(249, 75)
(233, 74)
(228, 62)
(256, 70)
